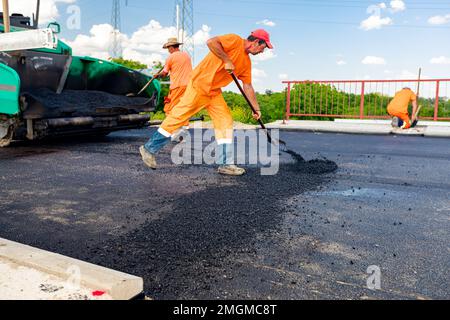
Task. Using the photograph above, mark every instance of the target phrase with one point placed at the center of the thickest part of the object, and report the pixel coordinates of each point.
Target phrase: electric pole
(184, 22)
(116, 48)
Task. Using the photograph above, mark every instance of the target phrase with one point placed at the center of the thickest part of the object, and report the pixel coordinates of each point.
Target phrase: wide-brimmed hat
(171, 42)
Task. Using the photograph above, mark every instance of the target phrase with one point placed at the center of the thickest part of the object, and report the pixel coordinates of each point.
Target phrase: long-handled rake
(146, 86)
(269, 137)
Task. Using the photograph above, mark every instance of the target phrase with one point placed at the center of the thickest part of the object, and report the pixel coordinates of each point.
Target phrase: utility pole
(184, 22)
(6, 21)
(36, 19)
(116, 48)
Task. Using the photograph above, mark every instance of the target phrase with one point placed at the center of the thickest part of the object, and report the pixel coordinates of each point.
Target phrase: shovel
(269, 137)
(146, 86)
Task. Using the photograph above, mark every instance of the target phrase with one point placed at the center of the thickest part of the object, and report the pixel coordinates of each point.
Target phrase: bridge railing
(363, 99)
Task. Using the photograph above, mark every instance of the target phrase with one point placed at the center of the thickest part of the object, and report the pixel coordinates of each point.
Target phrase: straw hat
(171, 42)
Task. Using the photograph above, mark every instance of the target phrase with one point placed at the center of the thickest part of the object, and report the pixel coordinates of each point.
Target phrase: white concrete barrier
(437, 131)
(31, 273)
(331, 126)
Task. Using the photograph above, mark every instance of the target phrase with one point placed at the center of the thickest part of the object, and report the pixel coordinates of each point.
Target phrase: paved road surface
(192, 234)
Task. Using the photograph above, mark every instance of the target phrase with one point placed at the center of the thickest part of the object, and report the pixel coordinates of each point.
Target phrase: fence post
(436, 103)
(288, 101)
(361, 107)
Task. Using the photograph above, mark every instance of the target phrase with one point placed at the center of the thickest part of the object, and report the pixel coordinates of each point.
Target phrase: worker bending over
(398, 108)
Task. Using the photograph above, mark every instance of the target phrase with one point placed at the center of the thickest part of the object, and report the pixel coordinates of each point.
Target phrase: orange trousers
(190, 104)
(402, 115)
(173, 99)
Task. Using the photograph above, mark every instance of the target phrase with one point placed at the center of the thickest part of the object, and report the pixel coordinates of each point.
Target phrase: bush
(242, 114)
(158, 115)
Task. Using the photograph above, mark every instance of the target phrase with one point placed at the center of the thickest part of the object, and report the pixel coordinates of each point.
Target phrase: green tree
(135, 65)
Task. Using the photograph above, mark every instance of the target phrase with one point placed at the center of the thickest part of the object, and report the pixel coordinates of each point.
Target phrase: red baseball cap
(263, 35)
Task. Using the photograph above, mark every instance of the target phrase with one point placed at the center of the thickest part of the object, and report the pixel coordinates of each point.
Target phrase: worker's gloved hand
(257, 115)
(229, 66)
(161, 74)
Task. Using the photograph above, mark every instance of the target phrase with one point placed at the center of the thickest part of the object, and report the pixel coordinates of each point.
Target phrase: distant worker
(179, 67)
(228, 54)
(398, 108)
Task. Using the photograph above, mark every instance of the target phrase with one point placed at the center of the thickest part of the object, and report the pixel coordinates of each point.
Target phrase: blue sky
(313, 39)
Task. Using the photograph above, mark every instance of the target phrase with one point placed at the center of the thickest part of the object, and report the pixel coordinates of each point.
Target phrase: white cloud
(375, 22)
(258, 73)
(267, 23)
(150, 38)
(202, 35)
(440, 60)
(48, 11)
(144, 45)
(266, 55)
(397, 6)
(373, 60)
(406, 74)
(291, 53)
(341, 62)
(96, 44)
(283, 76)
(409, 75)
(437, 20)
(382, 5)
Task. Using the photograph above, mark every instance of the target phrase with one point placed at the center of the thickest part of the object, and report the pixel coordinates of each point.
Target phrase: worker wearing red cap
(228, 54)
(398, 107)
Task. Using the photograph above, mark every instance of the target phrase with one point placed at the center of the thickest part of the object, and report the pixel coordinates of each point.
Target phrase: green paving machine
(46, 91)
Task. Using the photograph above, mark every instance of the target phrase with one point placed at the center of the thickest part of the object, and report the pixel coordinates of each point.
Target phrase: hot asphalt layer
(192, 234)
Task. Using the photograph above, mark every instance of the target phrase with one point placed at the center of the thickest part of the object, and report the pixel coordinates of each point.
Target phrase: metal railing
(363, 99)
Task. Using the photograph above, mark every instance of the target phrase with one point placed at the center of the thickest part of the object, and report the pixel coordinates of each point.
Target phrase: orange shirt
(210, 75)
(401, 101)
(179, 65)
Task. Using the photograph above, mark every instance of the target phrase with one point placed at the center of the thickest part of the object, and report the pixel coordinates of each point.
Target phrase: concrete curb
(330, 126)
(437, 132)
(421, 123)
(380, 127)
(114, 284)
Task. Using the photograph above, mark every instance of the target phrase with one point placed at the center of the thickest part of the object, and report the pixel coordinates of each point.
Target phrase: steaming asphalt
(192, 234)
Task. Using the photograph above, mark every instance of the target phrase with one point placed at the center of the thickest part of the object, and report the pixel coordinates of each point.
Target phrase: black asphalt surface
(308, 232)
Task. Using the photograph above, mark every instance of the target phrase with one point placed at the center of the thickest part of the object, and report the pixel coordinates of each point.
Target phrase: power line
(315, 21)
(339, 4)
(310, 21)
(331, 4)
(303, 2)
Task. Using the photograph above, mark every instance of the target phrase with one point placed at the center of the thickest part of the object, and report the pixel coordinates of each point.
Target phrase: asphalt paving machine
(46, 91)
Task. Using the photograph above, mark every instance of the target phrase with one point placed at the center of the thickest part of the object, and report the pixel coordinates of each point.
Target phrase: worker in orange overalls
(179, 67)
(398, 108)
(228, 53)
